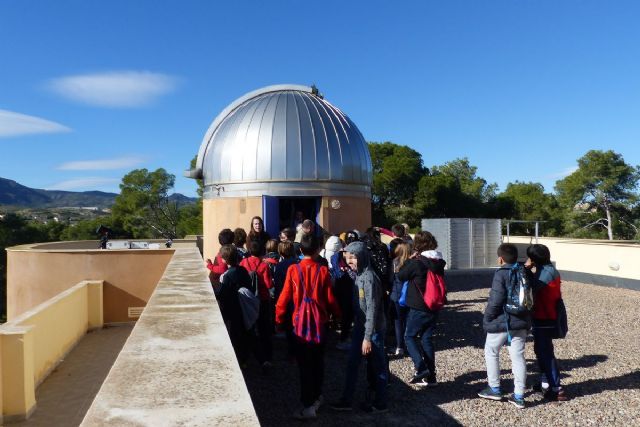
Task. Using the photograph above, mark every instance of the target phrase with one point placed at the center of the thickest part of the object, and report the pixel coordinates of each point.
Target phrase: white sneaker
(316, 405)
(305, 413)
(344, 345)
(399, 352)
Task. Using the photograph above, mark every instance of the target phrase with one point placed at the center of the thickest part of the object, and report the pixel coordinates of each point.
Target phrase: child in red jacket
(544, 318)
(218, 267)
(315, 285)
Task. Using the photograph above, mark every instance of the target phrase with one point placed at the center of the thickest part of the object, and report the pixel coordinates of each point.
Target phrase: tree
(396, 172)
(143, 205)
(397, 169)
(528, 201)
(470, 184)
(603, 185)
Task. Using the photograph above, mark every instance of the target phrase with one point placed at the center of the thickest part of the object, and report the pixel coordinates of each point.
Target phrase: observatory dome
(283, 140)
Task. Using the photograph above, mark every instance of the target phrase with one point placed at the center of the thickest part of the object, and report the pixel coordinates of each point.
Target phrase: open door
(271, 215)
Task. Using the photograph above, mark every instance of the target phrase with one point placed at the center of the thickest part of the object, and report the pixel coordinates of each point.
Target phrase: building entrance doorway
(282, 212)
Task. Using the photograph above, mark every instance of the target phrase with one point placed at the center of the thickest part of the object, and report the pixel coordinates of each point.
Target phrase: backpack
(253, 275)
(380, 260)
(250, 307)
(519, 291)
(435, 291)
(561, 326)
(307, 325)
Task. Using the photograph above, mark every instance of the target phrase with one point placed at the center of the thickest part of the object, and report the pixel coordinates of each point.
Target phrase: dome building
(283, 152)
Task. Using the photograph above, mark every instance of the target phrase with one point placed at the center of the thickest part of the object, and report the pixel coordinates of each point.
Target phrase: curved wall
(36, 275)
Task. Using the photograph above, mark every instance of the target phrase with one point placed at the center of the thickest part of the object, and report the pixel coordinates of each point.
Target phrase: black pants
(265, 332)
(311, 364)
(344, 295)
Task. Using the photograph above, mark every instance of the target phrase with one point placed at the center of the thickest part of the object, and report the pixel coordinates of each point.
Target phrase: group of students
(354, 282)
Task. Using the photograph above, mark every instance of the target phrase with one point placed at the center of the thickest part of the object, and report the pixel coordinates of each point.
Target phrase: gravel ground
(599, 359)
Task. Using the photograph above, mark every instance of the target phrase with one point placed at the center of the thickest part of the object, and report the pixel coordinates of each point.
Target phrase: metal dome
(283, 140)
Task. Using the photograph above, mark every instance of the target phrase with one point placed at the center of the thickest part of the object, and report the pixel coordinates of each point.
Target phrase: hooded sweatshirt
(332, 246)
(368, 312)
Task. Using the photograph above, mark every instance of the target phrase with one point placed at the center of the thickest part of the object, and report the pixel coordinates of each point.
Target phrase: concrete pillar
(18, 388)
(95, 310)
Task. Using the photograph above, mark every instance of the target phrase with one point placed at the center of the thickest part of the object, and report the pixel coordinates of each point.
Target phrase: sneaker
(488, 393)
(556, 396)
(373, 409)
(418, 376)
(341, 405)
(540, 388)
(518, 402)
(344, 345)
(399, 352)
(305, 413)
(316, 405)
(425, 382)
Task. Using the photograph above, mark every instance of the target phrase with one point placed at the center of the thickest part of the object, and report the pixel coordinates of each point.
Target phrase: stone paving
(599, 359)
(65, 395)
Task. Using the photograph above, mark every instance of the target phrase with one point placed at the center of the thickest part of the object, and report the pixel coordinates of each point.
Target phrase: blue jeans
(377, 373)
(543, 347)
(418, 338)
(400, 323)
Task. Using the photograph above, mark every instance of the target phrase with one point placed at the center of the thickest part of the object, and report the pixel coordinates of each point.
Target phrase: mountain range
(17, 195)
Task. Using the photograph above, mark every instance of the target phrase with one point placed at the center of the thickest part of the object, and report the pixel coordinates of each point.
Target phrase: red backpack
(435, 291)
(307, 324)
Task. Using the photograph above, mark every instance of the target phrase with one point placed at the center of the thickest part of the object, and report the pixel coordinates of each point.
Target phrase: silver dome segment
(283, 140)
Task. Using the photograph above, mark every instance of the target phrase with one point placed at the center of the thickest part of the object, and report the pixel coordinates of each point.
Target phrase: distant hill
(18, 195)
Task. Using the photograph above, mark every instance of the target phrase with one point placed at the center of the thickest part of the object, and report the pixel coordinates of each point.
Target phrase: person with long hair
(401, 254)
(258, 234)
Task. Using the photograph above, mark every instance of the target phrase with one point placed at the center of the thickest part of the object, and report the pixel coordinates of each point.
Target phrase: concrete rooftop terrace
(178, 367)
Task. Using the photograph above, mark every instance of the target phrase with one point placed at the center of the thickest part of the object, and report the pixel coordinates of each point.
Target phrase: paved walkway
(65, 396)
(600, 360)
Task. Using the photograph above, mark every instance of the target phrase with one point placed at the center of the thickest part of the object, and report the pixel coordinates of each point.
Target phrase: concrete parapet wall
(35, 275)
(178, 366)
(590, 261)
(32, 344)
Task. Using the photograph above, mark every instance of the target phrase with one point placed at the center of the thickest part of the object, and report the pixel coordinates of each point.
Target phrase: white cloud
(104, 164)
(566, 172)
(16, 124)
(89, 183)
(115, 89)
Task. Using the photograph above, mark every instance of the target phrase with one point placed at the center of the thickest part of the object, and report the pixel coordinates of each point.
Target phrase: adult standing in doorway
(258, 234)
(307, 227)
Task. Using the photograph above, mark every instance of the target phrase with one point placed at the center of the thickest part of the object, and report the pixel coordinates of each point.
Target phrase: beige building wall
(619, 259)
(354, 213)
(34, 276)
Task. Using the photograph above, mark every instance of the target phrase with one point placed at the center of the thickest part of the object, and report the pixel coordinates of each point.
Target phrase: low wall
(38, 272)
(600, 262)
(32, 344)
(178, 366)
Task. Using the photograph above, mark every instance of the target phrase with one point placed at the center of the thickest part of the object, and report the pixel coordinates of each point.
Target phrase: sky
(90, 90)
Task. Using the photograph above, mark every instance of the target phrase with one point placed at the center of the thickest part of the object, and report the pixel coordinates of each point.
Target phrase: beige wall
(34, 276)
(33, 343)
(354, 212)
(226, 213)
(605, 258)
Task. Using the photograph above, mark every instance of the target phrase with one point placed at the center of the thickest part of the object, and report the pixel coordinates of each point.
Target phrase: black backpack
(253, 275)
(380, 260)
(519, 291)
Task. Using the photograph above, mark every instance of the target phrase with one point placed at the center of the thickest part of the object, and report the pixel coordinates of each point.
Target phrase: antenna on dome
(315, 91)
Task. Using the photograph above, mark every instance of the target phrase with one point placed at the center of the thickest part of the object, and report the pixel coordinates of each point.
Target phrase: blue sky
(90, 89)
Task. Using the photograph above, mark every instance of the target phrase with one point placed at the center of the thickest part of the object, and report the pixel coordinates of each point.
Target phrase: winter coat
(293, 292)
(261, 268)
(368, 311)
(495, 317)
(548, 294)
(415, 271)
(232, 280)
